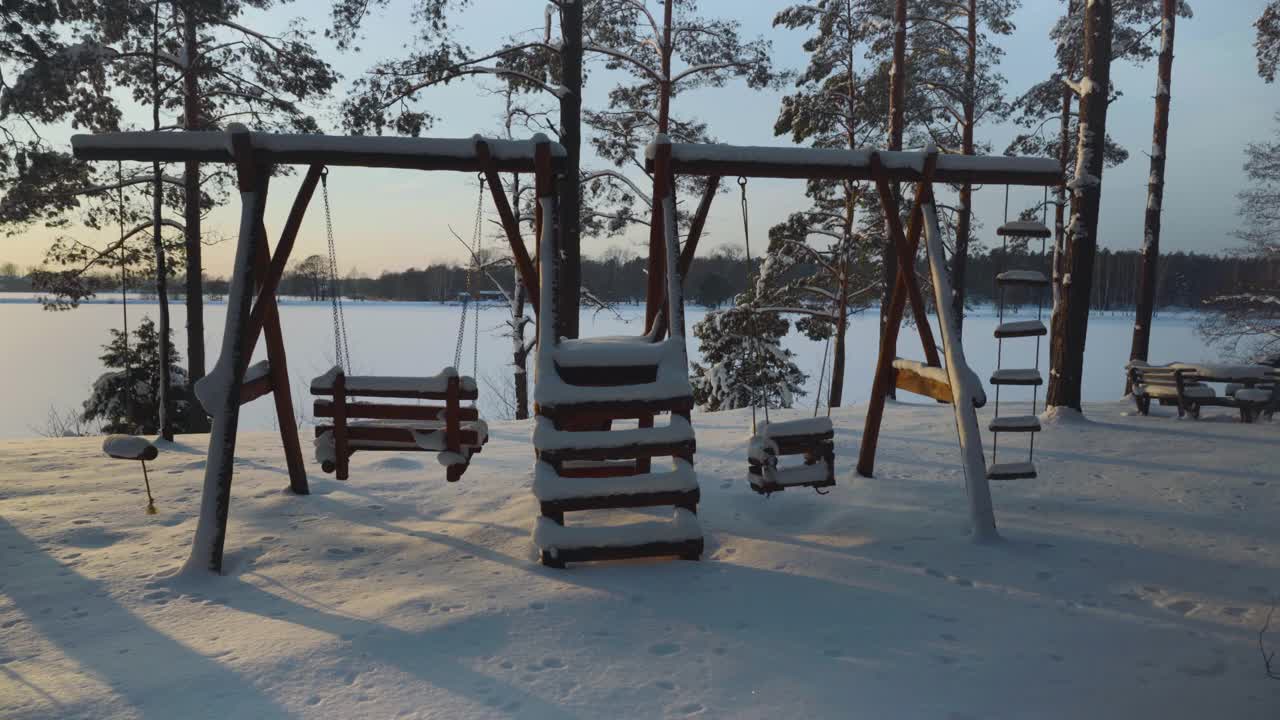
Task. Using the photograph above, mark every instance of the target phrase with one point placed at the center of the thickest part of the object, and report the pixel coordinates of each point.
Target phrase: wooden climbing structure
(607, 408)
(953, 382)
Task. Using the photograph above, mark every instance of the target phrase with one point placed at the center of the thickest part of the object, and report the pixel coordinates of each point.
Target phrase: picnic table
(1251, 389)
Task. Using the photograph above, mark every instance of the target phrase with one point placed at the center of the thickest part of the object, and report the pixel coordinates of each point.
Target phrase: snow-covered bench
(454, 432)
(1249, 388)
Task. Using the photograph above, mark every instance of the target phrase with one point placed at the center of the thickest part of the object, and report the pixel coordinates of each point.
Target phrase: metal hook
(742, 181)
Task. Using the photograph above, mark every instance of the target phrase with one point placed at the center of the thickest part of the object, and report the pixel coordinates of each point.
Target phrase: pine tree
(954, 64)
(1155, 189)
(126, 399)
(746, 364)
(1267, 41)
(213, 69)
(692, 52)
(1071, 315)
(835, 105)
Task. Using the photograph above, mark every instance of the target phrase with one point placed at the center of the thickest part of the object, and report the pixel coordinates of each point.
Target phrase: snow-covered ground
(61, 362)
(1135, 575)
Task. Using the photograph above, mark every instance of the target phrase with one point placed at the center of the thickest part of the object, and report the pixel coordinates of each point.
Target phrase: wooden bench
(454, 432)
(1250, 390)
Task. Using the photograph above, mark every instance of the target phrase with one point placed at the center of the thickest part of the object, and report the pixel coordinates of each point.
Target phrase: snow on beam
(333, 150)
(803, 163)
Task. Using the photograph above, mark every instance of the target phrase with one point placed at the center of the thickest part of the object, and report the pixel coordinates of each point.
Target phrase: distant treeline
(1186, 279)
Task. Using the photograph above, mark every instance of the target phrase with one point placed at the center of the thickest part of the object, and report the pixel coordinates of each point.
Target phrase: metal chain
(746, 236)
(341, 348)
(474, 249)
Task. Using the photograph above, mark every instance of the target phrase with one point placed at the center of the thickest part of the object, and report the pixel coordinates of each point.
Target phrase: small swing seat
(813, 438)
(129, 447)
(451, 431)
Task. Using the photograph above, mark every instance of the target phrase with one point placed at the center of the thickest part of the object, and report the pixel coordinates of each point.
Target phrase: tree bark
(964, 216)
(570, 189)
(519, 355)
(1071, 316)
(1155, 190)
(165, 421)
(654, 293)
(191, 219)
(1064, 156)
(897, 127)
(842, 325)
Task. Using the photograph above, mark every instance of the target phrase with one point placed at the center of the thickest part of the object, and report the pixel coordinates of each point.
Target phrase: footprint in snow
(690, 709)
(663, 649)
(1184, 607)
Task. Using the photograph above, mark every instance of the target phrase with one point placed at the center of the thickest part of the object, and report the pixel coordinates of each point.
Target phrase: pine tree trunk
(654, 293)
(1071, 316)
(964, 217)
(896, 128)
(569, 213)
(1060, 205)
(519, 355)
(191, 222)
(165, 420)
(1155, 191)
(838, 359)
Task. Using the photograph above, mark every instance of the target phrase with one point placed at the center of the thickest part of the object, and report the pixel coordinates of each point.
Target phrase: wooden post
(228, 375)
(278, 367)
(656, 280)
(905, 286)
(452, 430)
(697, 224)
(340, 451)
(524, 266)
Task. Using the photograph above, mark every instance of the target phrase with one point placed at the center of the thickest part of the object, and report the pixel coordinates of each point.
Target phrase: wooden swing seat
(454, 432)
(812, 438)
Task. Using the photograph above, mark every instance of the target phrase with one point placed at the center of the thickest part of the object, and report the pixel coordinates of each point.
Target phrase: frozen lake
(51, 359)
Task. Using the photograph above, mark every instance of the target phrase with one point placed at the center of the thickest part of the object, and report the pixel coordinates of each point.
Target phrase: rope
(817, 401)
(476, 235)
(746, 236)
(341, 348)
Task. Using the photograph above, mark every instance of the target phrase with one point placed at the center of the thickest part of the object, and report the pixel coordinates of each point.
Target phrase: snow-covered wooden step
(559, 544)
(1024, 228)
(554, 445)
(1012, 471)
(1021, 329)
(1015, 423)
(1022, 277)
(620, 351)
(558, 494)
(1012, 376)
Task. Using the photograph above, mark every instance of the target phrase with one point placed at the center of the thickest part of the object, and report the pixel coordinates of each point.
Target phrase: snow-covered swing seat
(455, 433)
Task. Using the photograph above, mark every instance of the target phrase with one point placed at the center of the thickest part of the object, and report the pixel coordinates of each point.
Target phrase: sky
(388, 220)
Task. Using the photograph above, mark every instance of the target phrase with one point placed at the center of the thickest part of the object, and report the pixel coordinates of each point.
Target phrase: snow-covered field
(57, 360)
(1135, 575)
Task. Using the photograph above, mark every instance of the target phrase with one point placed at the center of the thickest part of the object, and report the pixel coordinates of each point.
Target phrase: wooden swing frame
(886, 169)
(252, 303)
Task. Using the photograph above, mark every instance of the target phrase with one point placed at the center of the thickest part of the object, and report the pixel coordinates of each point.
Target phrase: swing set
(453, 431)
(956, 383)
(582, 462)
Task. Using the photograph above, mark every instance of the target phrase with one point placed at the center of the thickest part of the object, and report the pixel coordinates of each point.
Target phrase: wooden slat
(686, 498)
(381, 411)
(645, 450)
(389, 433)
(912, 381)
(616, 410)
(688, 549)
